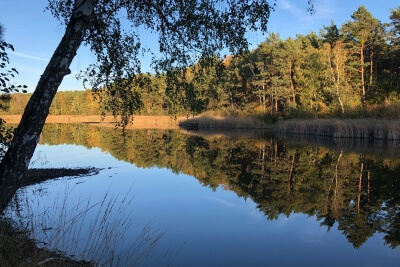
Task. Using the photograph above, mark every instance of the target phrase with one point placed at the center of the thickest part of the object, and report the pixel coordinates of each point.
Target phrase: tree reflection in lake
(355, 193)
(359, 191)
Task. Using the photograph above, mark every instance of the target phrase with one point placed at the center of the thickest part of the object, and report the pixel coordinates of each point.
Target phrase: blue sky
(35, 33)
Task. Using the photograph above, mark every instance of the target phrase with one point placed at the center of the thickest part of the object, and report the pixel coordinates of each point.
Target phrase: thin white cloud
(247, 207)
(285, 4)
(323, 10)
(292, 8)
(30, 57)
(224, 202)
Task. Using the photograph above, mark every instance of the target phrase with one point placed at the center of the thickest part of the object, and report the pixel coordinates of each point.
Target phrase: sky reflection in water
(201, 227)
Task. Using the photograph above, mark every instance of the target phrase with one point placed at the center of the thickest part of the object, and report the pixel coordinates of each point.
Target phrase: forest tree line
(347, 71)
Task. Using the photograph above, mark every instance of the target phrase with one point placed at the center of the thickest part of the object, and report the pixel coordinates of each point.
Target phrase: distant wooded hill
(64, 103)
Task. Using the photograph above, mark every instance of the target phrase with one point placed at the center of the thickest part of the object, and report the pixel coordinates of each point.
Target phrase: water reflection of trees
(357, 191)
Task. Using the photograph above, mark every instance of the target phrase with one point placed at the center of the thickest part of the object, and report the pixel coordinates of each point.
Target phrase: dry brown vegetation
(18, 249)
(154, 122)
(224, 122)
(15, 119)
(139, 122)
(351, 128)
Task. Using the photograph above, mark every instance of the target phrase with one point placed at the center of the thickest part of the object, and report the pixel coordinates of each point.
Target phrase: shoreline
(139, 121)
(154, 122)
(369, 129)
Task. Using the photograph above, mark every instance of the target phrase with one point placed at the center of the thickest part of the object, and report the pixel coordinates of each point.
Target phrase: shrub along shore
(349, 128)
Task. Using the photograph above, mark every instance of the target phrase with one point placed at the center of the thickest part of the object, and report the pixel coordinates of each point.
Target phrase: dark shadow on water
(34, 176)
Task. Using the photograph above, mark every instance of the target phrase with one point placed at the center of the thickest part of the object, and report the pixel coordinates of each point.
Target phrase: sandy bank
(155, 122)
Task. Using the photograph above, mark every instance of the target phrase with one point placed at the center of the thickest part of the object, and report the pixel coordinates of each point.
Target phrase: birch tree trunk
(292, 83)
(371, 66)
(17, 159)
(337, 68)
(362, 69)
(337, 81)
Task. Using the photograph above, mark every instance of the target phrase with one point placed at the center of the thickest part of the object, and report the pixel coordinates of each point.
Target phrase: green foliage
(187, 31)
(308, 76)
(6, 75)
(330, 34)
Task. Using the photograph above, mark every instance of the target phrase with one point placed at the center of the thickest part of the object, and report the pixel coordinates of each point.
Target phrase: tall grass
(18, 249)
(224, 122)
(350, 128)
(88, 232)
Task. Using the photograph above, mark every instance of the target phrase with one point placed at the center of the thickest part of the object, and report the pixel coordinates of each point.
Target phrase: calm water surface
(164, 198)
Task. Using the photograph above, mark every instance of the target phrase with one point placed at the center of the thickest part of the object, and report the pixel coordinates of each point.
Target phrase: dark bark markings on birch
(17, 158)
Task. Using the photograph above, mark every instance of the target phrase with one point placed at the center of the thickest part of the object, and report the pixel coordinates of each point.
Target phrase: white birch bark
(17, 159)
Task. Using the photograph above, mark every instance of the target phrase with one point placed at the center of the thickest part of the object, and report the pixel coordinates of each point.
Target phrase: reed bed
(224, 122)
(15, 119)
(384, 149)
(154, 122)
(351, 128)
(139, 121)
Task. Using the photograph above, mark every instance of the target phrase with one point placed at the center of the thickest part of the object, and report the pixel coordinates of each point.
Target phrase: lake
(169, 198)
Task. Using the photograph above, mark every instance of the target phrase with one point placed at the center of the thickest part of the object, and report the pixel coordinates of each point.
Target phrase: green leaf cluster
(6, 88)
